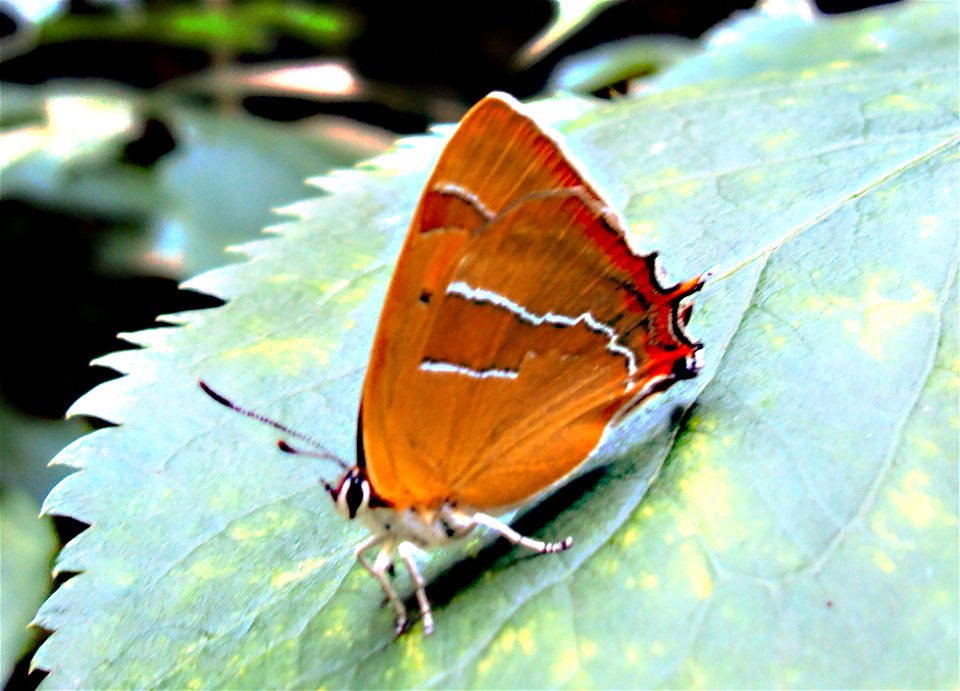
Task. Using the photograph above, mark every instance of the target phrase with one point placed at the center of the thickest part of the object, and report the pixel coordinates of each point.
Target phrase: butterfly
(519, 325)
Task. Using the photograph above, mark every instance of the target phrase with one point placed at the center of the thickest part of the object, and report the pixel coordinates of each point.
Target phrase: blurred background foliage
(142, 137)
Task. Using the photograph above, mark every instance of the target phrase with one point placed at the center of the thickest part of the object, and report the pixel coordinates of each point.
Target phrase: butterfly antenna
(293, 451)
(320, 450)
(323, 455)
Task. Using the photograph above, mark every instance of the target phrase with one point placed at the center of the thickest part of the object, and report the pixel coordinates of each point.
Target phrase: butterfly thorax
(355, 497)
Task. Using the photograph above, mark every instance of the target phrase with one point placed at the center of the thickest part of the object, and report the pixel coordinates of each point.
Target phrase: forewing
(547, 326)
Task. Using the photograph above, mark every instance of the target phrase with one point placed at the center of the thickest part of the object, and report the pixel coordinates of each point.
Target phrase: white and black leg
(380, 566)
(407, 550)
(516, 538)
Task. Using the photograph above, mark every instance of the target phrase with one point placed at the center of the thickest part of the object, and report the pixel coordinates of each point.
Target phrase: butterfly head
(352, 494)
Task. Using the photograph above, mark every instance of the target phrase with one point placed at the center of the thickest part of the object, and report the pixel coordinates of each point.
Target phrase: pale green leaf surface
(803, 529)
(628, 59)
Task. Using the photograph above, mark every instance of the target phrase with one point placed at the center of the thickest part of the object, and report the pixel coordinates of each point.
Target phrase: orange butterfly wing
(517, 324)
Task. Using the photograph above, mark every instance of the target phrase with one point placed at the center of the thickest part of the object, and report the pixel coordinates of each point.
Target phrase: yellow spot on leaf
(912, 500)
(337, 631)
(484, 665)
(304, 569)
(876, 319)
(629, 537)
(289, 355)
(688, 189)
(649, 580)
(879, 527)
(195, 683)
(207, 568)
(697, 677)
(125, 579)
(589, 649)
(525, 641)
(670, 173)
(774, 142)
(413, 651)
(565, 665)
(839, 64)
(903, 102)
(874, 42)
(927, 447)
(707, 424)
(657, 649)
(928, 226)
(697, 572)
(883, 562)
(243, 533)
(707, 485)
(507, 639)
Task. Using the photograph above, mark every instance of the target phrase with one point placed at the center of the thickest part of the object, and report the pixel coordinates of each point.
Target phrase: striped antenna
(320, 451)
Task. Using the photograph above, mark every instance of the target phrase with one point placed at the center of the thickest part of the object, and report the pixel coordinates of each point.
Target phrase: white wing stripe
(440, 366)
(483, 295)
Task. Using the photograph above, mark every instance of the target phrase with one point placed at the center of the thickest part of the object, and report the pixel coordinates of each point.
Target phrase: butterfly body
(425, 528)
(404, 531)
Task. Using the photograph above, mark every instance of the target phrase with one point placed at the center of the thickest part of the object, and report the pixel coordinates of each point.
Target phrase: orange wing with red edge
(517, 324)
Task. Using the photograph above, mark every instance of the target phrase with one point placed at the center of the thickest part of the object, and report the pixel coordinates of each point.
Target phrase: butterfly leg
(377, 571)
(516, 538)
(407, 550)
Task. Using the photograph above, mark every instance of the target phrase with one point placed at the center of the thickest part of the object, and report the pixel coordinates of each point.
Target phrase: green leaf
(28, 545)
(623, 61)
(218, 186)
(802, 531)
(26, 445)
(248, 26)
(223, 182)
